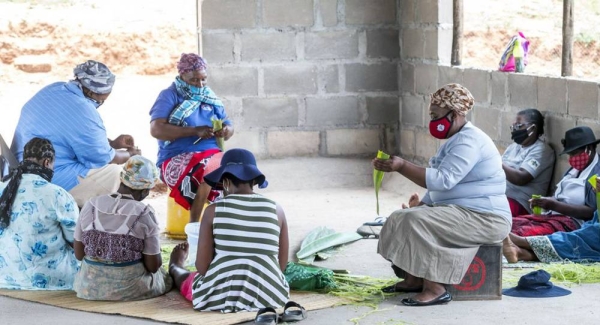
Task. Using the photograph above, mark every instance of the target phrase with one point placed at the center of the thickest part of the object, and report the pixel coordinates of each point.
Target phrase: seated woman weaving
(433, 244)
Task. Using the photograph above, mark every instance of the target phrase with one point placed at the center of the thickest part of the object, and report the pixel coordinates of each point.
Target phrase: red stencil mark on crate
(474, 278)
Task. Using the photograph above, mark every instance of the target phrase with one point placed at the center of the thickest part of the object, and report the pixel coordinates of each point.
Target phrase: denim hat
(578, 137)
(239, 163)
(536, 284)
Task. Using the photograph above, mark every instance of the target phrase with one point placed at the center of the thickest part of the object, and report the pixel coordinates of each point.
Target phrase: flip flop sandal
(266, 316)
(369, 231)
(293, 312)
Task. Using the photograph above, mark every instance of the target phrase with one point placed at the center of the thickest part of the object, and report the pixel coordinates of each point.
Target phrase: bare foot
(430, 292)
(179, 254)
(510, 251)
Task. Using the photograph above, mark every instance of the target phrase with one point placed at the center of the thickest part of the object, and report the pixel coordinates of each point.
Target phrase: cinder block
(427, 11)
(360, 12)
(488, 120)
(552, 94)
(392, 138)
(477, 81)
(413, 107)
(268, 112)
(508, 118)
(426, 145)
(407, 143)
(332, 111)
(444, 45)
(249, 140)
(217, 48)
(426, 76)
(293, 143)
(233, 108)
(499, 83)
(265, 46)
(583, 98)
(592, 125)
(383, 110)
(291, 79)
(329, 77)
(383, 43)
(331, 45)
(447, 75)
(328, 9)
(234, 81)
(352, 142)
(407, 11)
(371, 77)
(413, 43)
(228, 14)
(522, 90)
(445, 12)
(555, 128)
(408, 78)
(283, 13)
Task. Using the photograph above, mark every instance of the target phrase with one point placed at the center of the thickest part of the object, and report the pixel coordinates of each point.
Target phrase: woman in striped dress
(242, 248)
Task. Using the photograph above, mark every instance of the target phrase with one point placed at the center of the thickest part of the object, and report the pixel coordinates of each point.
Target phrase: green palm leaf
(378, 177)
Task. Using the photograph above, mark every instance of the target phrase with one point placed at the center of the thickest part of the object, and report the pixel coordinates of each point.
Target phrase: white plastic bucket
(192, 230)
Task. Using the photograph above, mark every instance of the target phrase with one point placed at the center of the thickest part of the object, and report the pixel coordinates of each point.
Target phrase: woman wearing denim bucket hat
(117, 240)
(243, 244)
(574, 201)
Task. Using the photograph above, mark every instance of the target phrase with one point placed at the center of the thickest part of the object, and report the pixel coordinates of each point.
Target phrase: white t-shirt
(538, 161)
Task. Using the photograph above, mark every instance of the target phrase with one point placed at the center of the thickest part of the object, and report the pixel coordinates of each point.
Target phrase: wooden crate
(483, 280)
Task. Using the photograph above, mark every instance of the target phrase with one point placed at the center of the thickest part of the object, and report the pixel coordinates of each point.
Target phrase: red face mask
(440, 127)
(580, 160)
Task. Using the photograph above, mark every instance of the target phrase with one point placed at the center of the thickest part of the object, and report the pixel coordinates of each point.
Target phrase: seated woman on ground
(581, 245)
(574, 201)
(37, 220)
(181, 121)
(528, 162)
(242, 247)
(117, 240)
(465, 206)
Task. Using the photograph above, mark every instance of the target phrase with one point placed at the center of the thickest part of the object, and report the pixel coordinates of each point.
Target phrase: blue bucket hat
(239, 163)
(536, 284)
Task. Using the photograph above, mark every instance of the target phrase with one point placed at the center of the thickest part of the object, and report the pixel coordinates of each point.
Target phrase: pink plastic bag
(507, 62)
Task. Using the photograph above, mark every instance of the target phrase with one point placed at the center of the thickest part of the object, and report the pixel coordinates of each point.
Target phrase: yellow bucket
(177, 218)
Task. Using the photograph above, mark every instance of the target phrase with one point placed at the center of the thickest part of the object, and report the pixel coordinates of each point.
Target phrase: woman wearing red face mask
(574, 201)
(433, 242)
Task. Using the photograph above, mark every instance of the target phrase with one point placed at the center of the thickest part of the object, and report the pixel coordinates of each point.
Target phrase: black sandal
(293, 312)
(266, 316)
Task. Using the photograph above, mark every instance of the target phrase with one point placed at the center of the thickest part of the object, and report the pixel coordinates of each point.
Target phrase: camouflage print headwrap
(455, 97)
(95, 76)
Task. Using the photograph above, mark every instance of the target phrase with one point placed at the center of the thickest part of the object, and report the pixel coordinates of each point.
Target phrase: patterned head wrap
(455, 97)
(38, 148)
(190, 62)
(95, 76)
(139, 173)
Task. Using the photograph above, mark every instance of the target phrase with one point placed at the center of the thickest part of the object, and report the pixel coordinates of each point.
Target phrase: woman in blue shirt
(181, 120)
(433, 243)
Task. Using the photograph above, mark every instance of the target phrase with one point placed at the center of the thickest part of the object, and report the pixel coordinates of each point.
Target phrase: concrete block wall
(499, 96)
(306, 77)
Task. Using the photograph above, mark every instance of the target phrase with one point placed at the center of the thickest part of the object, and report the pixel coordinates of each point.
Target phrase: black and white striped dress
(245, 273)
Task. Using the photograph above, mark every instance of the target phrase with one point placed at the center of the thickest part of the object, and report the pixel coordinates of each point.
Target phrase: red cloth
(516, 209)
(186, 286)
(532, 225)
(190, 179)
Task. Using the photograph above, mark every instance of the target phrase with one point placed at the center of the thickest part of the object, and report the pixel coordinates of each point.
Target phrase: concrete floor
(337, 193)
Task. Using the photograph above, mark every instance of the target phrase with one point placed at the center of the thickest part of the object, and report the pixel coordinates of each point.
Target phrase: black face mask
(518, 136)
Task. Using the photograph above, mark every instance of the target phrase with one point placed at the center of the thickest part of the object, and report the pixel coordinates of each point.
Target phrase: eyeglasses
(518, 126)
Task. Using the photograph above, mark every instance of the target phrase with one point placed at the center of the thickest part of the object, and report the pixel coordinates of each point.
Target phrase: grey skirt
(438, 243)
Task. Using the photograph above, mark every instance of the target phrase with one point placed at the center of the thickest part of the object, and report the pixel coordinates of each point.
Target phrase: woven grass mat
(170, 308)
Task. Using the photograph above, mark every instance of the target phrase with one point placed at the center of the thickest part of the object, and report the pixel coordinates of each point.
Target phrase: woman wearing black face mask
(528, 162)
(465, 206)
